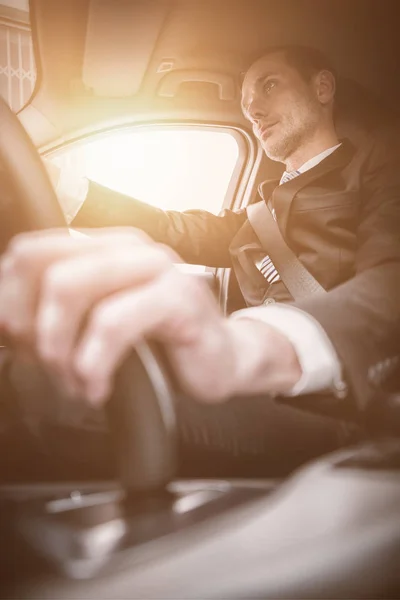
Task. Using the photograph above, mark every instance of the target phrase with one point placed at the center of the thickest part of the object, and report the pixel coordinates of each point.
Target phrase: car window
(174, 168)
(17, 64)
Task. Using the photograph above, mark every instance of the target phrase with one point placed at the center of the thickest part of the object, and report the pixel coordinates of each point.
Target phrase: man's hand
(80, 306)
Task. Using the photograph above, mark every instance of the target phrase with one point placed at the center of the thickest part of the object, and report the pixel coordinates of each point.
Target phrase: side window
(174, 168)
(17, 63)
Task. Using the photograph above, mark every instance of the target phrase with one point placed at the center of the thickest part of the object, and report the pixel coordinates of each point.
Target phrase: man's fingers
(21, 269)
(70, 288)
(30, 254)
(55, 243)
(115, 328)
(119, 323)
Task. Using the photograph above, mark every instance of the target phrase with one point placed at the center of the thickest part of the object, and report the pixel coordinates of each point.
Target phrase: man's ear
(325, 87)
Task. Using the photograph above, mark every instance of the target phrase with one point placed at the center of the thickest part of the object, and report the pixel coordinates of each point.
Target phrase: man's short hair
(306, 60)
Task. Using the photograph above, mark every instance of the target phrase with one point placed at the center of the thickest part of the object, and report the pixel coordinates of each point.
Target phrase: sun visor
(120, 40)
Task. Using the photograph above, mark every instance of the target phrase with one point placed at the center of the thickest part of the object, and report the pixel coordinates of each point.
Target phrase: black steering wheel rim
(27, 174)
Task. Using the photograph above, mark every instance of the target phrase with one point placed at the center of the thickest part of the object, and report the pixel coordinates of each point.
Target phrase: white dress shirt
(321, 368)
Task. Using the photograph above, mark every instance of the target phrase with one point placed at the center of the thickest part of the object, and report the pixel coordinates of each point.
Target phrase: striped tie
(266, 265)
(287, 176)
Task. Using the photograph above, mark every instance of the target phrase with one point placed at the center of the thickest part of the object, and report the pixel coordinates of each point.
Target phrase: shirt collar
(314, 161)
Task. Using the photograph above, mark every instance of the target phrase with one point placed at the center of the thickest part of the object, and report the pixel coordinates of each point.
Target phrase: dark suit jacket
(341, 218)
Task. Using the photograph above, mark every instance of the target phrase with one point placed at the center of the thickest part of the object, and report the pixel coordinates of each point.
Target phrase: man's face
(282, 106)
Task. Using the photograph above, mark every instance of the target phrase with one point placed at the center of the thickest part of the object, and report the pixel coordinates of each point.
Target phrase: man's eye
(269, 85)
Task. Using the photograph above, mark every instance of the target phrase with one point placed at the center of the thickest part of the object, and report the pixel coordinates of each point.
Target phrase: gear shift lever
(142, 418)
(80, 533)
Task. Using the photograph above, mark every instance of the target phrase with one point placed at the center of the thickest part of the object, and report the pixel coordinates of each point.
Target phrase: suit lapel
(282, 195)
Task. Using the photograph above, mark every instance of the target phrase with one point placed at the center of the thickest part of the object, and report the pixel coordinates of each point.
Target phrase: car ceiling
(102, 62)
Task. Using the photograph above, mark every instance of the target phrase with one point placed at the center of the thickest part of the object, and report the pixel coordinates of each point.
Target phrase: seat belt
(298, 280)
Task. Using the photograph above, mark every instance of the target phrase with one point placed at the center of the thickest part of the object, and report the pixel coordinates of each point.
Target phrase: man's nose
(255, 111)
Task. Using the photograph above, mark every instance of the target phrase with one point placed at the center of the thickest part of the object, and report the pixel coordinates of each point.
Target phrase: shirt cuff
(71, 192)
(321, 368)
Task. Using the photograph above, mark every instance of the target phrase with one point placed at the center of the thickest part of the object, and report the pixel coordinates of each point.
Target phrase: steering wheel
(141, 409)
(27, 174)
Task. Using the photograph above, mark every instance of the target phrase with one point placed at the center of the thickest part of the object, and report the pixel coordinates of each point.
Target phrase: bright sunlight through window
(172, 168)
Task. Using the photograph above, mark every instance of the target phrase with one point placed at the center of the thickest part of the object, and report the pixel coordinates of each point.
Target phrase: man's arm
(198, 236)
(81, 304)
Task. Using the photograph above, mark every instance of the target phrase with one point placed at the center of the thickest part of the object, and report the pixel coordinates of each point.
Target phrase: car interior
(143, 96)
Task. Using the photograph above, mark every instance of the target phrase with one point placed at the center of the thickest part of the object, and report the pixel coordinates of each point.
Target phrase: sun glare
(174, 169)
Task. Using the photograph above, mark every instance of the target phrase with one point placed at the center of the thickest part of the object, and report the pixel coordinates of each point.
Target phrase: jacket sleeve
(198, 236)
(362, 316)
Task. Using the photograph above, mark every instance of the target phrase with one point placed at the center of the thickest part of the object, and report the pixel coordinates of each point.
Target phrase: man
(82, 304)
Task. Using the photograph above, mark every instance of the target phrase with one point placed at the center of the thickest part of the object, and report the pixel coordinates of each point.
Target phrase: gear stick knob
(142, 421)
